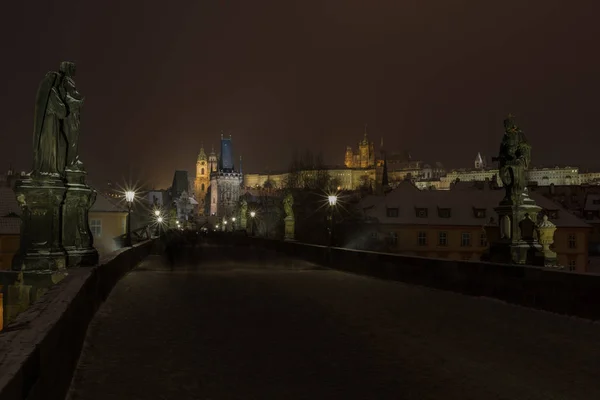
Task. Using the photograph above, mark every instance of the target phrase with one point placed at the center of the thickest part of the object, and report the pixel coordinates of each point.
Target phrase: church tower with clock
(202, 180)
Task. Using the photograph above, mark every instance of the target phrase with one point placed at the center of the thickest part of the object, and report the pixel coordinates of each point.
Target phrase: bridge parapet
(548, 289)
(40, 349)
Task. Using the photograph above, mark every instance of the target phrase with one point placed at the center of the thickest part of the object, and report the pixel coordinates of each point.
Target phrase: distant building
(225, 181)
(202, 181)
(108, 221)
(10, 227)
(451, 224)
(365, 158)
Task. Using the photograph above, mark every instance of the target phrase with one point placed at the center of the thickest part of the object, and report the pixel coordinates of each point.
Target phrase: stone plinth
(41, 200)
(290, 227)
(518, 242)
(546, 238)
(77, 237)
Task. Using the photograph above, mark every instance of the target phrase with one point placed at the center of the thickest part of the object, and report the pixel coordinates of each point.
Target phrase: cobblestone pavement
(279, 329)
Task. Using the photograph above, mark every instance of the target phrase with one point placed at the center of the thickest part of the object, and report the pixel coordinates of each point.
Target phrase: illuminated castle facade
(365, 158)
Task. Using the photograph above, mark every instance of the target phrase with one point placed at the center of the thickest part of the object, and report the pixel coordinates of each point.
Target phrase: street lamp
(129, 197)
(332, 202)
(233, 223)
(252, 215)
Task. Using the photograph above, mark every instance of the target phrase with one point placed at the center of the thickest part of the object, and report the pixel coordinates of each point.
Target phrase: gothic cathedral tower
(202, 179)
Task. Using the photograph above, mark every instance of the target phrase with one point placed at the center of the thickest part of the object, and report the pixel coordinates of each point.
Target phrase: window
(392, 212)
(202, 171)
(442, 239)
(96, 227)
(483, 240)
(202, 187)
(572, 241)
(422, 238)
(572, 265)
(393, 238)
(444, 212)
(421, 212)
(465, 239)
(479, 212)
(552, 214)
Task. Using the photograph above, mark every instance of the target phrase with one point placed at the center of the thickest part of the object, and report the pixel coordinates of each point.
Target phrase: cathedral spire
(240, 164)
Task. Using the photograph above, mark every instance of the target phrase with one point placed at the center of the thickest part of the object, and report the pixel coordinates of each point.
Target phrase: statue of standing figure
(513, 160)
(288, 205)
(57, 123)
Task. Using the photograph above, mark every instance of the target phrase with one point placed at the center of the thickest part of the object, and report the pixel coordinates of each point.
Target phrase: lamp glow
(233, 219)
(157, 213)
(224, 222)
(129, 196)
(159, 220)
(252, 214)
(332, 200)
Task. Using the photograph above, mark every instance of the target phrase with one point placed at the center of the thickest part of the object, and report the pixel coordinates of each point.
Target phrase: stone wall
(547, 289)
(40, 349)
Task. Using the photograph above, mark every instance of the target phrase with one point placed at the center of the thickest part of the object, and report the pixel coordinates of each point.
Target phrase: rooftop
(465, 205)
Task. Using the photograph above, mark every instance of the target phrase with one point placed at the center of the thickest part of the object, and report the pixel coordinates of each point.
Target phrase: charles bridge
(244, 317)
(241, 317)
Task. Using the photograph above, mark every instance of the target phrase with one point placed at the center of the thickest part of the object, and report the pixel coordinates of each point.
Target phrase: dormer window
(444, 212)
(479, 212)
(552, 214)
(421, 212)
(392, 212)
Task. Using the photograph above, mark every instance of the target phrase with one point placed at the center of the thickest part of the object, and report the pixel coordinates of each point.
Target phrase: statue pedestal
(40, 249)
(290, 227)
(77, 237)
(518, 243)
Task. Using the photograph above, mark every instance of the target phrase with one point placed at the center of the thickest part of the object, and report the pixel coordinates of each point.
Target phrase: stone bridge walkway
(217, 329)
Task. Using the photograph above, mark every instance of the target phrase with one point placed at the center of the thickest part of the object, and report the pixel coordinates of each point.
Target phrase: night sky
(435, 77)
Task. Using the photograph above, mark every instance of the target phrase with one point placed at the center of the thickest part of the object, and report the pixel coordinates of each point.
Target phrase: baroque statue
(243, 208)
(288, 205)
(513, 160)
(57, 123)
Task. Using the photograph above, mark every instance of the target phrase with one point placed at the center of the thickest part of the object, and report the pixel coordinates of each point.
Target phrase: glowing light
(252, 214)
(332, 200)
(224, 222)
(159, 220)
(233, 219)
(129, 196)
(217, 226)
(157, 213)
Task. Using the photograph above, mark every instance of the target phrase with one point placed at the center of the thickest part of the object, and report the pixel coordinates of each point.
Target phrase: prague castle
(365, 158)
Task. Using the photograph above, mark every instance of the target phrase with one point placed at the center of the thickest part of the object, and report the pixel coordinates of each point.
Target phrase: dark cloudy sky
(432, 76)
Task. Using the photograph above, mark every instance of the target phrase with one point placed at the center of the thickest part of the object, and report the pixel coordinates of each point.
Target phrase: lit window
(96, 227)
(572, 241)
(442, 239)
(465, 240)
(422, 238)
(479, 213)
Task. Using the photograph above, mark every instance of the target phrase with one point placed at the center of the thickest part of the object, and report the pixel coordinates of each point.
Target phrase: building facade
(202, 180)
(454, 224)
(225, 181)
(364, 158)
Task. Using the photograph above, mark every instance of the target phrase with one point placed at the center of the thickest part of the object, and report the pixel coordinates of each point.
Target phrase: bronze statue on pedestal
(513, 160)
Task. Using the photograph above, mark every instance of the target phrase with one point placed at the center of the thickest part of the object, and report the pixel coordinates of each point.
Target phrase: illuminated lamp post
(233, 223)
(129, 197)
(332, 202)
(252, 215)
